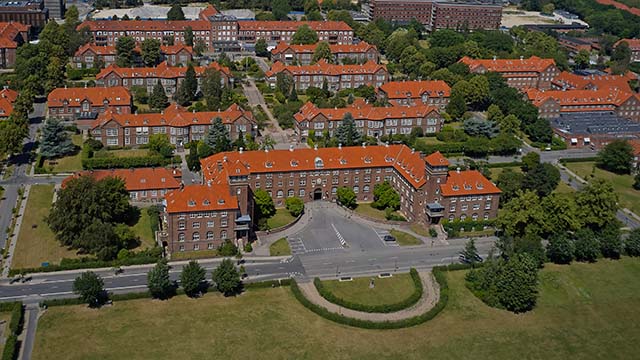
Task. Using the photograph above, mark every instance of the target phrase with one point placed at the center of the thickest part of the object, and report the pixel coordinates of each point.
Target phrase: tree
(264, 204)
(385, 196)
(560, 249)
(261, 48)
(479, 127)
(470, 253)
(542, 179)
(188, 87)
(99, 238)
(346, 197)
(548, 9)
(611, 245)
(55, 141)
(509, 182)
(188, 36)
(582, 59)
(621, 58)
(295, 206)
(636, 182)
(347, 133)
(158, 99)
(530, 160)
(280, 9)
(494, 113)
(617, 157)
(322, 51)
(522, 215)
(445, 38)
(125, 47)
(55, 75)
(218, 137)
(597, 204)
(192, 279)
(158, 281)
(509, 124)
(632, 243)
(211, 86)
(457, 106)
(587, 245)
(150, 49)
(199, 47)
(561, 214)
(517, 283)
(160, 144)
(304, 36)
(90, 287)
(226, 278)
(227, 248)
(11, 136)
(175, 13)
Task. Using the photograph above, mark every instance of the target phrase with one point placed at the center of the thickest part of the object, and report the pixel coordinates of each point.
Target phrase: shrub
(127, 162)
(391, 216)
(632, 243)
(386, 308)
(433, 232)
(248, 248)
(295, 206)
(228, 248)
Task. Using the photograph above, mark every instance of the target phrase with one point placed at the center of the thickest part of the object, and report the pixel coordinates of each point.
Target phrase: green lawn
(405, 239)
(367, 210)
(585, 311)
(563, 188)
(5, 318)
(280, 248)
(36, 243)
(495, 172)
(622, 184)
(386, 291)
(143, 230)
(122, 153)
(429, 140)
(67, 164)
(420, 229)
(190, 255)
(281, 218)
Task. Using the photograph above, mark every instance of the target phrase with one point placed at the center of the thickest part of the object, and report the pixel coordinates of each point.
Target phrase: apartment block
(303, 54)
(93, 56)
(522, 74)
(409, 93)
(87, 103)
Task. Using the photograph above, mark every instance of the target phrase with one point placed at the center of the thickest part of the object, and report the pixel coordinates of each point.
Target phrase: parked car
(389, 238)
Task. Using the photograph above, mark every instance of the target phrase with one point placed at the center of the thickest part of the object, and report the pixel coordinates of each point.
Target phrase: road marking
(13, 297)
(381, 234)
(342, 241)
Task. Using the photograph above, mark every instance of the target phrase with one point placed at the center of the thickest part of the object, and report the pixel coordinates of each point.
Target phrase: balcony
(435, 210)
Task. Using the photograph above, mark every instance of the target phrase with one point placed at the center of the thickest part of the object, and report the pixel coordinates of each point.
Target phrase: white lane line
(13, 297)
(339, 236)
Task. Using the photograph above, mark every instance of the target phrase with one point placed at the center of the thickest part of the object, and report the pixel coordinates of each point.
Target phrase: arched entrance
(317, 194)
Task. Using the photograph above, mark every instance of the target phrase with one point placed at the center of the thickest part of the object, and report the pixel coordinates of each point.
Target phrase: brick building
(333, 32)
(438, 14)
(634, 46)
(338, 77)
(12, 35)
(107, 32)
(522, 74)
(427, 92)
(180, 125)
(201, 217)
(87, 103)
(90, 56)
(303, 54)
(370, 120)
(29, 12)
(594, 129)
(575, 45)
(7, 98)
(570, 81)
(552, 103)
(143, 184)
(169, 76)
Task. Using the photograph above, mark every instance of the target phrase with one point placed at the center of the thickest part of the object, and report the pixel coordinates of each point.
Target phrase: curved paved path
(430, 296)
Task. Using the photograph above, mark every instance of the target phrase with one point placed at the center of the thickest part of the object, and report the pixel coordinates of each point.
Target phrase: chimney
(521, 58)
(413, 151)
(340, 146)
(240, 150)
(364, 144)
(291, 147)
(266, 150)
(209, 183)
(386, 144)
(495, 58)
(458, 170)
(315, 147)
(224, 158)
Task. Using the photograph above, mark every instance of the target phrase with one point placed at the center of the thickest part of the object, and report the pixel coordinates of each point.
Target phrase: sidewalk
(430, 296)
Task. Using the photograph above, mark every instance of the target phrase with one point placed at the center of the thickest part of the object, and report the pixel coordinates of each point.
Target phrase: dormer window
(455, 187)
(294, 163)
(467, 187)
(479, 186)
(142, 181)
(268, 164)
(206, 202)
(388, 159)
(220, 201)
(367, 160)
(343, 162)
(318, 163)
(162, 180)
(191, 203)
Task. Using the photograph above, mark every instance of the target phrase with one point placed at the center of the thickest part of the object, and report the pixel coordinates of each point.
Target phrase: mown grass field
(627, 196)
(386, 291)
(585, 311)
(281, 218)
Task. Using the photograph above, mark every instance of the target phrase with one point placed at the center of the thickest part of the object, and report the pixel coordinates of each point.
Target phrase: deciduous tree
(226, 278)
(90, 287)
(617, 157)
(261, 48)
(322, 51)
(632, 243)
(264, 204)
(150, 52)
(158, 280)
(192, 279)
(175, 13)
(346, 197)
(587, 245)
(304, 36)
(560, 249)
(295, 206)
(125, 48)
(385, 196)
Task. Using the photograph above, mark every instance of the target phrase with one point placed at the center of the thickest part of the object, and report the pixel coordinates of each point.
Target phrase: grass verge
(405, 239)
(191, 255)
(280, 219)
(280, 248)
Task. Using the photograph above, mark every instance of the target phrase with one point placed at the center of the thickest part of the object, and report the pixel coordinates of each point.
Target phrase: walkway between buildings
(430, 296)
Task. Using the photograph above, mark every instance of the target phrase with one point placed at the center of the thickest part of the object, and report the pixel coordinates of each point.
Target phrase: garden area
(405, 239)
(391, 290)
(280, 248)
(281, 218)
(66, 164)
(579, 301)
(622, 184)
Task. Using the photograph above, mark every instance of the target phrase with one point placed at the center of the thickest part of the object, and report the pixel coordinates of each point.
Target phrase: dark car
(389, 238)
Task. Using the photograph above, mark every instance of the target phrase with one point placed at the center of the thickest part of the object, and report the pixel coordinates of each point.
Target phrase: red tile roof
(415, 89)
(163, 71)
(436, 159)
(532, 64)
(7, 97)
(173, 116)
(361, 47)
(9, 34)
(634, 44)
(605, 97)
(363, 111)
(572, 81)
(146, 25)
(469, 182)
(635, 144)
(136, 179)
(324, 68)
(410, 164)
(207, 12)
(293, 25)
(116, 96)
(8, 94)
(111, 50)
(201, 198)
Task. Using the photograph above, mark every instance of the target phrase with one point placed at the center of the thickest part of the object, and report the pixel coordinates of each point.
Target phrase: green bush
(227, 248)
(10, 351)
(11, 347)
(438, 273)
(91, 163)
(453, 227)
(386, 308)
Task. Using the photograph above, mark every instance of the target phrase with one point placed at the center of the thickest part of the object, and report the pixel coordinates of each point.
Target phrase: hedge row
(139, 258)
(127, 162)
(11, 347)
(438, 273)
(386, 308)
(574, 160)
(467, 225)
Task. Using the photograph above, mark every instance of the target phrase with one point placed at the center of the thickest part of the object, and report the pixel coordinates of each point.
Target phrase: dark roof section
(594, 123)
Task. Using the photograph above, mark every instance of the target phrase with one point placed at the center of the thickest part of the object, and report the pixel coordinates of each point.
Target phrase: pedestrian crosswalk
(296, 245)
